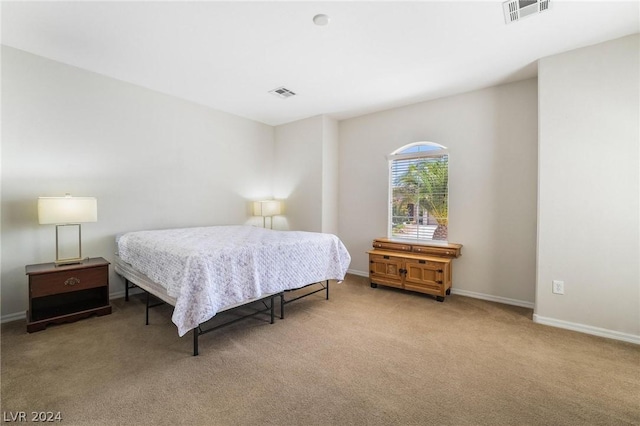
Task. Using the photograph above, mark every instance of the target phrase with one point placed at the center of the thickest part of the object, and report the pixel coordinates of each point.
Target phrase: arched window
(419, 192)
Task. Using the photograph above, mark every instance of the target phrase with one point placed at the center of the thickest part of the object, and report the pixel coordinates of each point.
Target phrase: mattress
(206, 269)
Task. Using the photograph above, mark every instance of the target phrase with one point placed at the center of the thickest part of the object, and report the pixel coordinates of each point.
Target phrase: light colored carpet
(365, 357)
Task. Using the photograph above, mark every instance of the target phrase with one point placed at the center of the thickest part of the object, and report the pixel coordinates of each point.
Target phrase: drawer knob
(72, 281)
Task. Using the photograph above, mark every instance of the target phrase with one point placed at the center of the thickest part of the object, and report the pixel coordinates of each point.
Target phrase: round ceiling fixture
(321, 20)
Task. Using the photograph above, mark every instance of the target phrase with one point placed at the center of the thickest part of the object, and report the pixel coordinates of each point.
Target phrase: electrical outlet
(558, 287)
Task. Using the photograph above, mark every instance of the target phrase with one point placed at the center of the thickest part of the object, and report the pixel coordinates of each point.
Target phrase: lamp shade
(60, 210)
(266, 208)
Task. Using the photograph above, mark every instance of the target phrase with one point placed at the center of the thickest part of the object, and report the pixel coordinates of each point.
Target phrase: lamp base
(64, 262)
(65, 233)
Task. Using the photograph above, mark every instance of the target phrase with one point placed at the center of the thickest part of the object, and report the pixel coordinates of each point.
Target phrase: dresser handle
(72, 281)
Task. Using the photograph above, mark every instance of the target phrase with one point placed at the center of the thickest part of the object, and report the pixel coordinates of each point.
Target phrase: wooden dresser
(415, 266)
(59, 294)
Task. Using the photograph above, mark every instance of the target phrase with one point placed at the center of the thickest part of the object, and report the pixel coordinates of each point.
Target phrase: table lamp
(267, 208)
(67, 212)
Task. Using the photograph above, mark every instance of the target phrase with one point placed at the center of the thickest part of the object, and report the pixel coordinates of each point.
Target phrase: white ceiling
(372, 56)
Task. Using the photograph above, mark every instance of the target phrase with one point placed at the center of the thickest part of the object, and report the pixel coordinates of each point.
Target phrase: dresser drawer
(68, 281)
(391, 246)
(427, 264)
(437, 251)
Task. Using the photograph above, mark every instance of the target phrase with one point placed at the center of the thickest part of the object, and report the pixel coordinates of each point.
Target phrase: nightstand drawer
(68, 281)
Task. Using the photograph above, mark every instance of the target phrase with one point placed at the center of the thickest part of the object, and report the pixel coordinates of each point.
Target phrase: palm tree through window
(418, 191)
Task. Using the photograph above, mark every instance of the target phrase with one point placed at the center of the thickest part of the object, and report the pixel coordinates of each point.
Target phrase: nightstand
(59, 294)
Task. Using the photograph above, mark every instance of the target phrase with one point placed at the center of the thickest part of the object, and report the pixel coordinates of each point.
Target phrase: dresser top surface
(436, 244)
(45, 268)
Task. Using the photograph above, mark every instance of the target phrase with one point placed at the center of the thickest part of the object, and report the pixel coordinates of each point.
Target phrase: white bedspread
(208, 268)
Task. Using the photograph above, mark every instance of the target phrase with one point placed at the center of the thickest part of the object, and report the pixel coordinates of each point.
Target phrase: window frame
(438, 151)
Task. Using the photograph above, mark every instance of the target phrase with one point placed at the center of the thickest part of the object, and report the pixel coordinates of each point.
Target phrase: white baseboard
(117, 294)
(13, 317)
(491, 298)
(358, 273)
(587, 329)
(595, 331)
(482, 296)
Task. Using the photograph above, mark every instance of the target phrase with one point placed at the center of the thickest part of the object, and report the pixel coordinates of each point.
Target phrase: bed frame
(135, 279)
(199, 330)
(324, 286)
(283, 301)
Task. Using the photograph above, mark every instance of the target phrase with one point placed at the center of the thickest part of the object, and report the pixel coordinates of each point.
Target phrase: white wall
(492, 138)
(68, 130)
(330, 163)
(588, 232)
(298, 174)
(152, 161)
(306, 174)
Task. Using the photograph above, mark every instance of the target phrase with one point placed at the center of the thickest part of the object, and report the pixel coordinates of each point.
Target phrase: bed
(202, 271)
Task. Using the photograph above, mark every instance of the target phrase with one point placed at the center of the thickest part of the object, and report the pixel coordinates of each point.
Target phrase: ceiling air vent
(514, 10)
(282, 92)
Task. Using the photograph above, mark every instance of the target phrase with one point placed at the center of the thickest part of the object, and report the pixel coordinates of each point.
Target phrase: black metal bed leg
(327, 289)
(126, 290)
(195, 341)
(282, 305)
(147, 310)
(273, 301)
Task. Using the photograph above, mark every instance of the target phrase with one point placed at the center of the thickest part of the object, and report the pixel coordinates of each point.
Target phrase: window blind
(419, 197)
